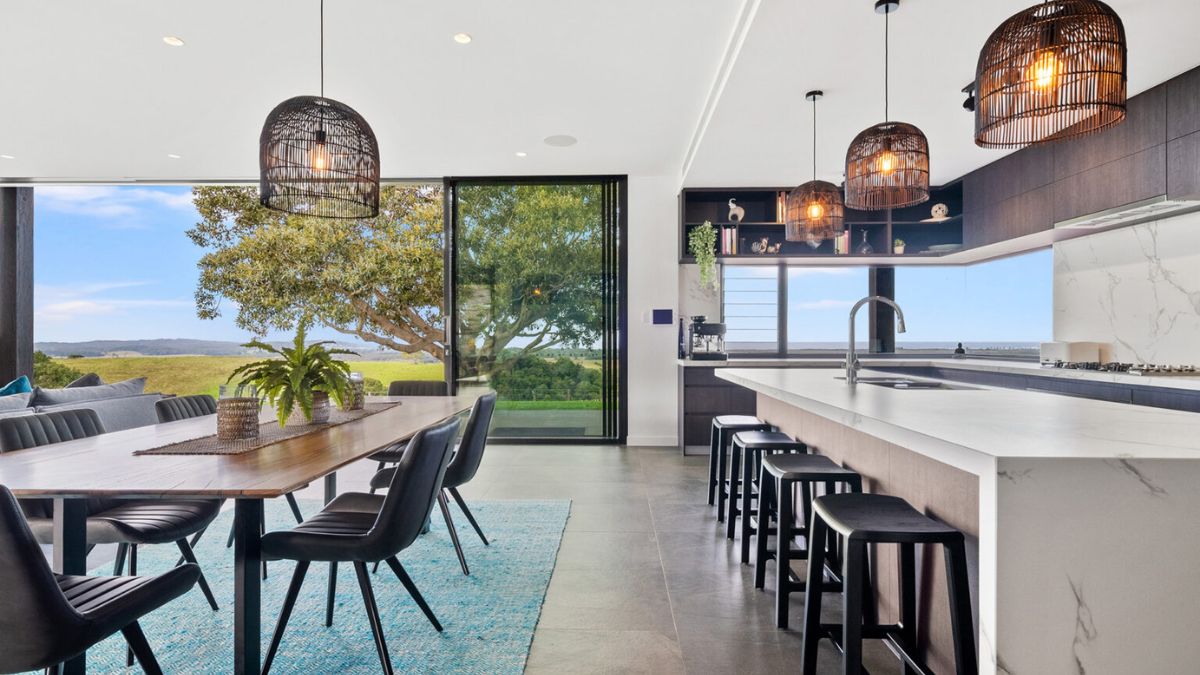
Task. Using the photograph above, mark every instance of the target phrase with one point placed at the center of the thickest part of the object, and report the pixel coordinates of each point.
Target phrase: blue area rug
(489, 617)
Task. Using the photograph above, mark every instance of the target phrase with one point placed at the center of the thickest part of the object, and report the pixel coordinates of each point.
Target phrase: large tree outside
(528, 287)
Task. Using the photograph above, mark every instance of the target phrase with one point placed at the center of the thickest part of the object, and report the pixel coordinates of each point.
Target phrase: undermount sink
(905, 383)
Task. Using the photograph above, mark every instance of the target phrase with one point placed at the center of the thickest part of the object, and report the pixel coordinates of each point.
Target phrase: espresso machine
(706, 341)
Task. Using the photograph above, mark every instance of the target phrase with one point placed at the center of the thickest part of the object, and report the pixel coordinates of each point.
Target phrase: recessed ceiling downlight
(560, 141)
(522, 154)
(172, 155)
(462, 38)
(7, 157)
(172, 41)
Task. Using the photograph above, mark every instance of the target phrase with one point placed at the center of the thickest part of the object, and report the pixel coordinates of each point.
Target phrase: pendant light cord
(814, 138)
(322, 48)
(886, 47)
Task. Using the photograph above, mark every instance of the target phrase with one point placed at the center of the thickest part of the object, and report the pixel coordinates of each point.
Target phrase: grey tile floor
(645, 581)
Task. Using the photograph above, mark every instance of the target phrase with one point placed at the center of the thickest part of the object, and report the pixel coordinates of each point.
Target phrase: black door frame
(619, 391)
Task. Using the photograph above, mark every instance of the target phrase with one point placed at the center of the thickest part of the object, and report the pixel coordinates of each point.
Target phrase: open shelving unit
(924, 237)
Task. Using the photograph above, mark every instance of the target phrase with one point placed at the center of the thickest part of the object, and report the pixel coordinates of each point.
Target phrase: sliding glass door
(537, 298)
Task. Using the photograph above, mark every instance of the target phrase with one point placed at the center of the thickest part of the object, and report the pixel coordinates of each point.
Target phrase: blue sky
(113, 263)
(1006, 300)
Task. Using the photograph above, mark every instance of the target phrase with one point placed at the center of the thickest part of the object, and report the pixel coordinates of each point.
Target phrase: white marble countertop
(984, 365)
(971, 427)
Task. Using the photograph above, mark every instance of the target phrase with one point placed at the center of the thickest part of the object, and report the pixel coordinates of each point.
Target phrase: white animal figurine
(736, 213)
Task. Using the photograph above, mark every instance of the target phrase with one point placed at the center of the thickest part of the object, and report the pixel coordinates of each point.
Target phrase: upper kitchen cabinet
(1183, 136)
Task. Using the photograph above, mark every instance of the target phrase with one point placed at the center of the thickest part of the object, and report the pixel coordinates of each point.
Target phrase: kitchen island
(1081, 515)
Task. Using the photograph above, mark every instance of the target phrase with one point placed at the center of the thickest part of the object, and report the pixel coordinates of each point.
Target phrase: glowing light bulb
(887, 162)
(318, 157)
(815, 211)
(1044, 70)
(537, 292)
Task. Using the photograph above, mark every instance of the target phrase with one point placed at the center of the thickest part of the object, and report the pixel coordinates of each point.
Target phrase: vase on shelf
(865, 247)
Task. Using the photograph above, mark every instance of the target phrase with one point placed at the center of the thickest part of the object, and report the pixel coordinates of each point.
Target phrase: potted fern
(300, 384)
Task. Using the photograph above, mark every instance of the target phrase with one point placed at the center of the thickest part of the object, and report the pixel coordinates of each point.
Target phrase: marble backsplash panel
(1136, 289)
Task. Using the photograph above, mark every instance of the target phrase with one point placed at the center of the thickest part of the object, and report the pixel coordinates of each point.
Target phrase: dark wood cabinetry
(704, 397)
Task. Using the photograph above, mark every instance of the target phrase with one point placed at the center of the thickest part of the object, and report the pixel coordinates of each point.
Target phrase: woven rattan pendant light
(887, 165)
(1056, 70)
(814, 210)
(318, 157)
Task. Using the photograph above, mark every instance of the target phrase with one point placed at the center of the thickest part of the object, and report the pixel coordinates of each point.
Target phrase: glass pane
(819, 302)
(751, 308)
(532, 279)
(1001, 307)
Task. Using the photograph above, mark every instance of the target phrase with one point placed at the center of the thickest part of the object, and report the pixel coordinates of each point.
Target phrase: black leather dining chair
(47, 618)
(393, 453)
(462, 469)
(178, 408)
(128, 523)
(360, 528)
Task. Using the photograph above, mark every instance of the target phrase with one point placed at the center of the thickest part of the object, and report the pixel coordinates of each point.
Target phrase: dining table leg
(247, 586)
(70, 555)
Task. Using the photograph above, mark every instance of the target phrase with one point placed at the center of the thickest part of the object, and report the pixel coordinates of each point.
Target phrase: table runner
(268, 433)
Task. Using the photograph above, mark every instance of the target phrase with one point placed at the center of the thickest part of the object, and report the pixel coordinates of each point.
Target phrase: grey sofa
(119, 406)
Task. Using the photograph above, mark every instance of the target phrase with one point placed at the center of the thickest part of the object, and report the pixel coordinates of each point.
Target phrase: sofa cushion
(17, 413)
(47, 397)
(89, 380)
(18, 386)
(15, 402)
(116, 414)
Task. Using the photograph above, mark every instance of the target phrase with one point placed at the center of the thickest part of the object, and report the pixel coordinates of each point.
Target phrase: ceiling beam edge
(733, 48)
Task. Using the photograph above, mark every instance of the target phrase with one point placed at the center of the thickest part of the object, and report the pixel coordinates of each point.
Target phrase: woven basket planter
(320, 411)
(237, 419)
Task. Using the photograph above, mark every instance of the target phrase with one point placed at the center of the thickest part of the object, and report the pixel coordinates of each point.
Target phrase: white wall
(1136, 289)
(653, 284)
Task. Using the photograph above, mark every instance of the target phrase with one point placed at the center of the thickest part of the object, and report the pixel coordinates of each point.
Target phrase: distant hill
(184, 346)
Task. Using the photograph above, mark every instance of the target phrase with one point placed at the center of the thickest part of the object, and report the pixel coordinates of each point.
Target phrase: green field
(203, 374)
(185, 375)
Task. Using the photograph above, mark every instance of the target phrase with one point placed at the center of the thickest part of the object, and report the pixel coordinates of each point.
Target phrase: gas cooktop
(1128, 368)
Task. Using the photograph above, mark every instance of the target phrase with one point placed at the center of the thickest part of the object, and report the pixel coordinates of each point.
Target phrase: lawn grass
(185, 375)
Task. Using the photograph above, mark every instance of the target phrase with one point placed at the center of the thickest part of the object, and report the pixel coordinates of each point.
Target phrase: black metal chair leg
(962, 626)
(712, 466)
(462, 504)
(262, 529)
(229, 541)
(119, 563)
(55, 669)
(291, 500)
(132, 573)
(330, 592)
(289, 602)
(409, 586)
(364, 584)
(195, 540)
(375, 567)
(138, 646)
(190, 556)
(445, 506)
(853, 596)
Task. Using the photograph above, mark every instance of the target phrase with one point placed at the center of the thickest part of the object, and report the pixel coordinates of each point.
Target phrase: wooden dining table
(106, 466)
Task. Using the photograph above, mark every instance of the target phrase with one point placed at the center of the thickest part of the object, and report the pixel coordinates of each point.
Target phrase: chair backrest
(413, 491)
(418, 388)
(39, 626)
(465, 462)
(30, 431)
(185, 407)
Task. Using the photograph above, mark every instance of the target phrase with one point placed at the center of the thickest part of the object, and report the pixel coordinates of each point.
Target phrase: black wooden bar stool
(746, 453)
(780, 473)
(863, 519)
(723, 429)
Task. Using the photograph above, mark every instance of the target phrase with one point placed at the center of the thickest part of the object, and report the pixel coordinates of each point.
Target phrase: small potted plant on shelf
(300, 384)
(702, 244)
(898, 247)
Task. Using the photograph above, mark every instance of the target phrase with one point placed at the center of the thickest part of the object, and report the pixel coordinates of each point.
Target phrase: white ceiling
(91, 92)
(761, 130)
